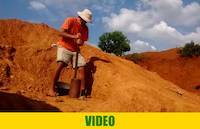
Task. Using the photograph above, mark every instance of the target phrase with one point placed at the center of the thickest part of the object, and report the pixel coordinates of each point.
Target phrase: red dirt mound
(117, 84)
(182, 71)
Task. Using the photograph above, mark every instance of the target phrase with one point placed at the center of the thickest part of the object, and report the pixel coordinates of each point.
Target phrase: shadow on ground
(89, 73)
(10, 102)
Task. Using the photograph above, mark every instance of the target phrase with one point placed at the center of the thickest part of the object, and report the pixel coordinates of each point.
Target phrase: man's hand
(79, 41)
(78, 36)
(65, 34)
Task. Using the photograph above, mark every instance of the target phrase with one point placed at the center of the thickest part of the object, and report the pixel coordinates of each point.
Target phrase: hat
(86, 15)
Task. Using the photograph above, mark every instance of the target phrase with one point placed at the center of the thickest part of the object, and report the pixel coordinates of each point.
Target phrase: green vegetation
(190, 49)
(114, 42)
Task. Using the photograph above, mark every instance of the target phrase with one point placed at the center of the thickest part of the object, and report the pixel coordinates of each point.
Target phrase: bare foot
(89, 96)
(82, 98)
(52, 93)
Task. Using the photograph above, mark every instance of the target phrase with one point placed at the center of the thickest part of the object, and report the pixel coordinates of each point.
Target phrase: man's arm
(65, 34)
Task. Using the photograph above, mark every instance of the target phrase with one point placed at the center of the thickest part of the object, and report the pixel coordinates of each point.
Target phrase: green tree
(114, 42)
(190, 49)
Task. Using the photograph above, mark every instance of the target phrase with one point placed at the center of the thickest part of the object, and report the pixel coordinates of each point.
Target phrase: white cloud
(168, 36)
(141, 46)
(130, 20)
(195, 36)
(158, 22)
(174, 12)
(190, 15)
(163, 27)
(42, 9)
(163, 34)
(36, 5)
(135, 28)
(198, 29)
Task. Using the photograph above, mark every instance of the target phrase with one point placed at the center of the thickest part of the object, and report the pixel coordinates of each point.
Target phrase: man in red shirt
(74, 32)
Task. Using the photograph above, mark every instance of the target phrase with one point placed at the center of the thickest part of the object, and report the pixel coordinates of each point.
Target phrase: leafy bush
(135, 57)
(114, 42)
(190, 49)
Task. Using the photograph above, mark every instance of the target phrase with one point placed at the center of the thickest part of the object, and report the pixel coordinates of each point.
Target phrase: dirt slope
(27, 64)
(182, 71)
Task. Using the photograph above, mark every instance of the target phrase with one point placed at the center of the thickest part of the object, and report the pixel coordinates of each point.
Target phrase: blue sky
(149, 24)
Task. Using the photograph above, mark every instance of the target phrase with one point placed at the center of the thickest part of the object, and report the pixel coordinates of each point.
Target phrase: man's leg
(81, 71)
(82, 78)
(56, 77)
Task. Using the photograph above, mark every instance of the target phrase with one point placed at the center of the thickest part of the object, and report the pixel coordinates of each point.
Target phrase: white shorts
(66, 56)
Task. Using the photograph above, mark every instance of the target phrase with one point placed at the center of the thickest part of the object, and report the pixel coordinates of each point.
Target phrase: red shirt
(73, 27)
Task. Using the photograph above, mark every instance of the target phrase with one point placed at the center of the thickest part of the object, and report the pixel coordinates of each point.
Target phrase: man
(74, 32)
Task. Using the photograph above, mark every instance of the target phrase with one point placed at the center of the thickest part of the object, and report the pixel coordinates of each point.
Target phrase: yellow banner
(99, 120)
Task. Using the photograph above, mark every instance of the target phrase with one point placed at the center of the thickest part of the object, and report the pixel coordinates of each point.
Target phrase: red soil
(182, 71)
